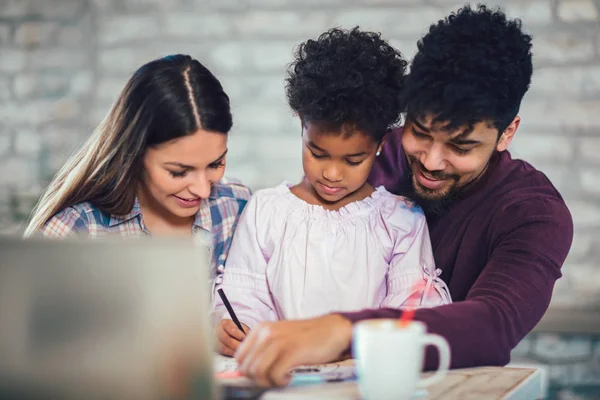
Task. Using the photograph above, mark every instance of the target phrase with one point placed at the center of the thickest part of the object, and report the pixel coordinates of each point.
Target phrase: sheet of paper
(224, 364)
(332, 372)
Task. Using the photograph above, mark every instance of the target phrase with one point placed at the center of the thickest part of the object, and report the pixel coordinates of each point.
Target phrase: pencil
(230, 310)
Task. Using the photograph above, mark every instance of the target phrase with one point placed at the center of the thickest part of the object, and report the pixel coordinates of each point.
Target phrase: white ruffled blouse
(290, 259)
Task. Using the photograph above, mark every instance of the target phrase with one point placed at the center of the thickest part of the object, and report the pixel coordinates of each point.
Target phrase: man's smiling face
(443, 162)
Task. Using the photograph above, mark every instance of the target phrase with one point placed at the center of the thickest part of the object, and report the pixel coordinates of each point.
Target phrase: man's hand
(229, 337)
(273, 349)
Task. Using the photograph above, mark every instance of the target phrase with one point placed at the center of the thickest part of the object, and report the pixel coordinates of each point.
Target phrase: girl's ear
(381, 144)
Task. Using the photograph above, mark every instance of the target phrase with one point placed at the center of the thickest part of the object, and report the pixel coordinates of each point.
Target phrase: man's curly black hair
(474, 66)
(348, 78)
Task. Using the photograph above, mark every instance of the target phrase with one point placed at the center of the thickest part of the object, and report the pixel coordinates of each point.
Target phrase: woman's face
(180, 173)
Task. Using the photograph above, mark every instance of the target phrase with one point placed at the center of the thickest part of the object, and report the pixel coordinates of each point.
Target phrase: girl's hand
(229, 337)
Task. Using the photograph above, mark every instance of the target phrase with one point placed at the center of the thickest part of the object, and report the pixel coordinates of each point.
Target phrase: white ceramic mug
(389, 358)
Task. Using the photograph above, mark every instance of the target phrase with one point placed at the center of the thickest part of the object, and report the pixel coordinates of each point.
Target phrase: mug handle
(444, 351)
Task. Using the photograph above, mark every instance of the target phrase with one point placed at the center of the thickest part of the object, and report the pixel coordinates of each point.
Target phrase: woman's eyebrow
(177, 164)
(185, 166)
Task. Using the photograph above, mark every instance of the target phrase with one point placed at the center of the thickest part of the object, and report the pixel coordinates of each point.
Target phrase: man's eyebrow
(462, 138)
(420, 126)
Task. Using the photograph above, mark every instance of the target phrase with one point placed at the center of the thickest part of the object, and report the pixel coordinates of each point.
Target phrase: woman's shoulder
(231, 189)
(75, 219)
(85, 211)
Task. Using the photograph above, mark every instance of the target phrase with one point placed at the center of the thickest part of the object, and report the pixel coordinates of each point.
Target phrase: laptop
(105, 319)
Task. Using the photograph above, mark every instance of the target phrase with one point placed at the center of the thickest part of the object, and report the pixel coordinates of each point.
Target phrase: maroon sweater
(500, 248)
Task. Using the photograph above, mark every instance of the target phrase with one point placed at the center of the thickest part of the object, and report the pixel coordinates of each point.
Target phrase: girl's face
(336, 164)
(180, 173)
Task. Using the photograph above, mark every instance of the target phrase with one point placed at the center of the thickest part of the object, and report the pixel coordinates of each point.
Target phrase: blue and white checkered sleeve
(67, 222)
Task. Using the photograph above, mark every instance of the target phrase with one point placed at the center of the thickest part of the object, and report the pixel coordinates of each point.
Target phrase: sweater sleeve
(511, 294)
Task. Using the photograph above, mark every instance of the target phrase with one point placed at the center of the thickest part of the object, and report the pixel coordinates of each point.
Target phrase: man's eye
(420, 135)
(461, 151)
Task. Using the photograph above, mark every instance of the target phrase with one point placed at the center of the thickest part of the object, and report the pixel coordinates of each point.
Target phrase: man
(500, 231)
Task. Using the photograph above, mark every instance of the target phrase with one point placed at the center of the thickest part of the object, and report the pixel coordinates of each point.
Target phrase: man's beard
(438, 205)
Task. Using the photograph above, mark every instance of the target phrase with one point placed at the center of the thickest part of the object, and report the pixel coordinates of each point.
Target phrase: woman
(153, 166)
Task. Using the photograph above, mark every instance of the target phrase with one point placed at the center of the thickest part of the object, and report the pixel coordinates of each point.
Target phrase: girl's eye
(354, 163)
(178, 174)
(216, 165)
(317, 156)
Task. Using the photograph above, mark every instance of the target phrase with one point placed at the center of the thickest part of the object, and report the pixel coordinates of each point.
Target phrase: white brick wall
(533, 12)
(577, 10)
(589, 149)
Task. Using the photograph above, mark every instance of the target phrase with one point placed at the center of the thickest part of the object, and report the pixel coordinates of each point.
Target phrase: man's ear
(508, 134)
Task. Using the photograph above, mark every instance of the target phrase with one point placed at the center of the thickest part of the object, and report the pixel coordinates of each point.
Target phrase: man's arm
(510, 296)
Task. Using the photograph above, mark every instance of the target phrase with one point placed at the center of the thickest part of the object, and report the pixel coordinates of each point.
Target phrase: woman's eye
(178, 174)
(216, 165)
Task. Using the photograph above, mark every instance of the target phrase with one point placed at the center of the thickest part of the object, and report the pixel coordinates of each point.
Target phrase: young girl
(332, 242)
(153, 166)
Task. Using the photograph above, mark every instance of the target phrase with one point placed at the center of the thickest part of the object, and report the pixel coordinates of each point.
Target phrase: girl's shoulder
(273, 198)
(398, 209)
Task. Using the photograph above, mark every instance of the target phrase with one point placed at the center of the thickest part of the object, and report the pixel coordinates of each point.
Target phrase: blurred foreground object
(103, 319)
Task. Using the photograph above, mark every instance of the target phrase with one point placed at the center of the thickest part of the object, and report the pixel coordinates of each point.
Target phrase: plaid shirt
(218, 215)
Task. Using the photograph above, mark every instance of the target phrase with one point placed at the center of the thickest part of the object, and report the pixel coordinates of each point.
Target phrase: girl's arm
(412, 273)
(244, 279)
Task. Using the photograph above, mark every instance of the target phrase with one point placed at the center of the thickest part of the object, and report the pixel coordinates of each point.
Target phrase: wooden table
(462, 384)
(482, 383)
